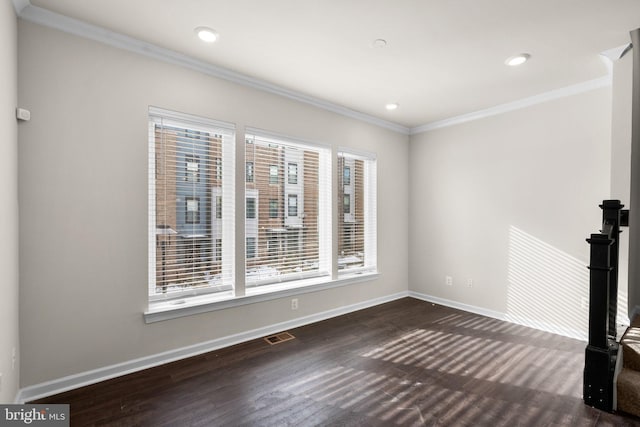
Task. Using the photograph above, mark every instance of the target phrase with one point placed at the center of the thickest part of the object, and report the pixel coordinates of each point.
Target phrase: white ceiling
(444, 58)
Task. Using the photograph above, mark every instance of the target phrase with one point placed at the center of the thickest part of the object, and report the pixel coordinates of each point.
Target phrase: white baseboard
(458, 305)
(71, 382)
(535, 324)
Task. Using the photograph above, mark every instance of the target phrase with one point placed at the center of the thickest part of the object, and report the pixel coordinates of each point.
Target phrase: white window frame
(328, 275)
(370, 189)
(213, 127)
(325, 220)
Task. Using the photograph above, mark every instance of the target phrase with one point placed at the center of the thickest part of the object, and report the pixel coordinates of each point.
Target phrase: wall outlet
(13, 359)
(448, 280)
(470, 282)
(294, 303)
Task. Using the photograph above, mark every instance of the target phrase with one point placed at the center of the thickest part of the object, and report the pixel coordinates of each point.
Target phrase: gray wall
(508, 201)
(83, 195)
(9, 337)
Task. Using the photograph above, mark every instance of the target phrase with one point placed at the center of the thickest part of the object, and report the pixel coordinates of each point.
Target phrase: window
(292, 173)
(218, 256)
(273, 208)
(249, 172)
(191, 213)
(251, 207)
(218, 168)
(251, 247)
(191, 240)
(293, 205)
(192, 168)
(357, 244)
(273, 174)
(193, 210)
(297, 246)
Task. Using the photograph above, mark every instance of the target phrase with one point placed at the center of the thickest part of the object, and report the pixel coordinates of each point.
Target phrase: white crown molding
(71, 382)
(79, 28)
(617, 52)
(516, 105)
(20, 5)
(63, 23)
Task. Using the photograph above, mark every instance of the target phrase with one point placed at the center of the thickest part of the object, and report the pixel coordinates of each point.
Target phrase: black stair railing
(602, 348)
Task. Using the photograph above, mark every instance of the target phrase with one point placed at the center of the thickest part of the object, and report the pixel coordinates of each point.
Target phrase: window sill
(165, 310)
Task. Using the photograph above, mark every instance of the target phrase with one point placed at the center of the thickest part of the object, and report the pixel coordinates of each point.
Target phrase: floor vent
(278, 338)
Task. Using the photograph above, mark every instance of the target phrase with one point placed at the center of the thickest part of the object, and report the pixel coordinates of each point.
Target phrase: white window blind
(191, 205)
(292, 188)
(356, 198)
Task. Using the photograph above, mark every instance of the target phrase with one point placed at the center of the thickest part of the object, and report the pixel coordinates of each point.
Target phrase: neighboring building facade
(351, 221)
(281, 210)
(281, 225)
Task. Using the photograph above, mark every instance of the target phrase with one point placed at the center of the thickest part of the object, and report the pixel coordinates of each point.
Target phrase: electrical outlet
(470, 282)
(294, 303)
(448, 280)
(13, 359)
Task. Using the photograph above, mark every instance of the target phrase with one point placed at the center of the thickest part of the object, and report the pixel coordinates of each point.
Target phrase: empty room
(297, 212)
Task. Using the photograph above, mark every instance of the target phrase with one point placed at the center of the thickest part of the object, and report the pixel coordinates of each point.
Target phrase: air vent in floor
(278, 338)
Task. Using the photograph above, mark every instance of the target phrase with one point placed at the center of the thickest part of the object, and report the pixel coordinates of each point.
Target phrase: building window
(273, 208)
(251, 247)
(251, 208)
(218, 207)
(297, 246)
(190, 253)
(193, 210)
(249, 172)
(273, 174)
(357, 241)
(293, 205)
(218, 256)
(292, 173)
(346, 175)
(192, 168)
(218, 168)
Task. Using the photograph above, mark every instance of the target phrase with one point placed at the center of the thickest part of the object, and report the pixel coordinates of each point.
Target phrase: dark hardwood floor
(407, 363)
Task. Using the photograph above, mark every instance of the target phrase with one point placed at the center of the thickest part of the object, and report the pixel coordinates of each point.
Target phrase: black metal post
(602, 350)
(611, 210)
(599, 286)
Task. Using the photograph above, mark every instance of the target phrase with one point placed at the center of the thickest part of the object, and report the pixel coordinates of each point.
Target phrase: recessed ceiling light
(379, 43)
(518, 59)
(206, 34)
(391, 106)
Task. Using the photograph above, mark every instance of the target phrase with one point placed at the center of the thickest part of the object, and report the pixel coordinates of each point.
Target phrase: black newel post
(602, 349)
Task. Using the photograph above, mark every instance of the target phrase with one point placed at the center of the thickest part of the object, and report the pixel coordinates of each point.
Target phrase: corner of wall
(9, 316)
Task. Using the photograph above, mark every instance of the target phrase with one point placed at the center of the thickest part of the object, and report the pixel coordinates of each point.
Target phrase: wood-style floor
(406, 363)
